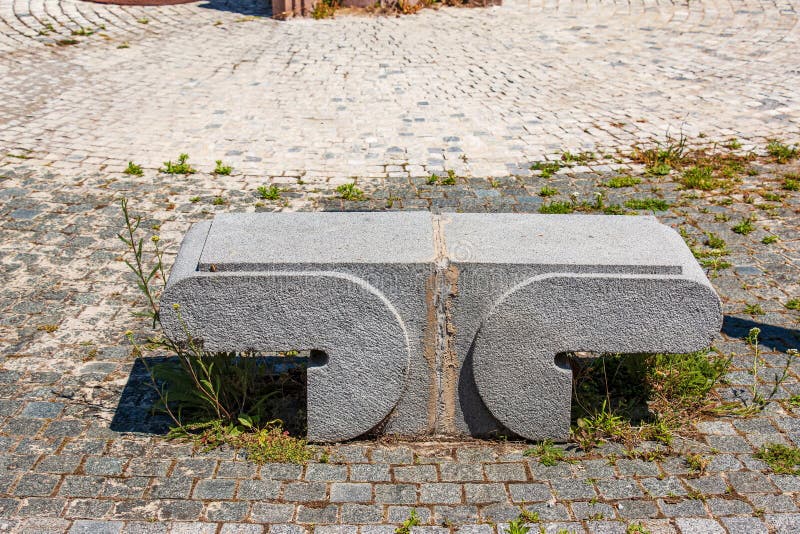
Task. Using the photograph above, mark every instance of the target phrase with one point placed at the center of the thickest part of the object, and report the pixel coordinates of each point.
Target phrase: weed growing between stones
(640, 397)
(133, 169)
(350, 192)
(744, 227)
(710, 255)
(636, 528)
(180, 167)
(547, 453)
(782, 459)
(517, 526)
(411, 522)
(548, 191)
(272, 192)
(557, 207)
(648, 204)
(791, 182)
(546, 168)
(758, 401)
(703, 169)
(572, 205)
(221, 169)
(661, 158)
(216, 398)
(781, 152)
(622, 181)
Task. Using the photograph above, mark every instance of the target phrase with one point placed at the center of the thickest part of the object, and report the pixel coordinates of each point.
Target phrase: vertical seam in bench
(446, 287)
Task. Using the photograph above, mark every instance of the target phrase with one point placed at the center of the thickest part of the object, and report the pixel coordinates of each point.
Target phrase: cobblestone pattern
(66, 377)
(480, 91)
(303, 106)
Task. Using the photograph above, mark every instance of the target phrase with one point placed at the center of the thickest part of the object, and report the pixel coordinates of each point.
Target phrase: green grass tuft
(651, 204)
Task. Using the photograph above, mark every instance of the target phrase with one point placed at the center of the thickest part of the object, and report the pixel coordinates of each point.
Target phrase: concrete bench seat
(452, 324)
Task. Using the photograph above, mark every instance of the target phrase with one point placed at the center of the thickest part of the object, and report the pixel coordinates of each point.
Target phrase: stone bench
(452, 324)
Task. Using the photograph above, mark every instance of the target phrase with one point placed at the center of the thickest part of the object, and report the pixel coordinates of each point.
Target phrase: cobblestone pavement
(500, 87)
(78, 450)
(305, 105)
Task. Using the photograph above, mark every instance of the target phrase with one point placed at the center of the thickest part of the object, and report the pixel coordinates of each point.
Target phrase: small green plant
(782, 459)
(659, 169)
(433, 179)
(546, 168)
(324, 9)
(580, 158)
(179, 167)
(699, 178)
(528, 516)
(744, 227)
(769, 239)
(450, 179)
(194, 199)
(517, 526)
(411, 522)
(133, 169)
(221, 169)
(793, 304)
(622, 181)
(661, 158)
(770, 196)
(758, 400)
(547, 453)
(715, 242)
(143, 20)
(781, 152)
(83, 32)
(791, 184)
(636, 528)
(614, 209)
(733, 144)
(794, 400)
(272, 192)
(650, 204)
(697, 463)
(66, 42)
(218, 201)
(557, 207)
(754, 309)
(640, 397)
(548, 191)
(350, 192)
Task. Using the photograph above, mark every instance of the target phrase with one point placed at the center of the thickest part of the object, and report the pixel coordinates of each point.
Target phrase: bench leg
(360, 346)
(515, 351)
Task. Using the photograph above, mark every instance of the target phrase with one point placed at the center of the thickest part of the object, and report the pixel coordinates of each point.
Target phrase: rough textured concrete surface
(452, 324)
(533, 287)
(351, 285)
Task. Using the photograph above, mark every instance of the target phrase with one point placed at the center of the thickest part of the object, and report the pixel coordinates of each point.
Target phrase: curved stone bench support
(515, 350)
(362, 334)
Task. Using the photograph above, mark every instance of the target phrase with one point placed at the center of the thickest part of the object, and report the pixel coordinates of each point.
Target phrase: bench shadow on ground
(777, 338)
(250, 8)
(135, 412)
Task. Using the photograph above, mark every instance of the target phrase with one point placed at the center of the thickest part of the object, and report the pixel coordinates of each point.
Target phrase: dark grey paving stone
(370, 473)
(272, 513)
(259, 490)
